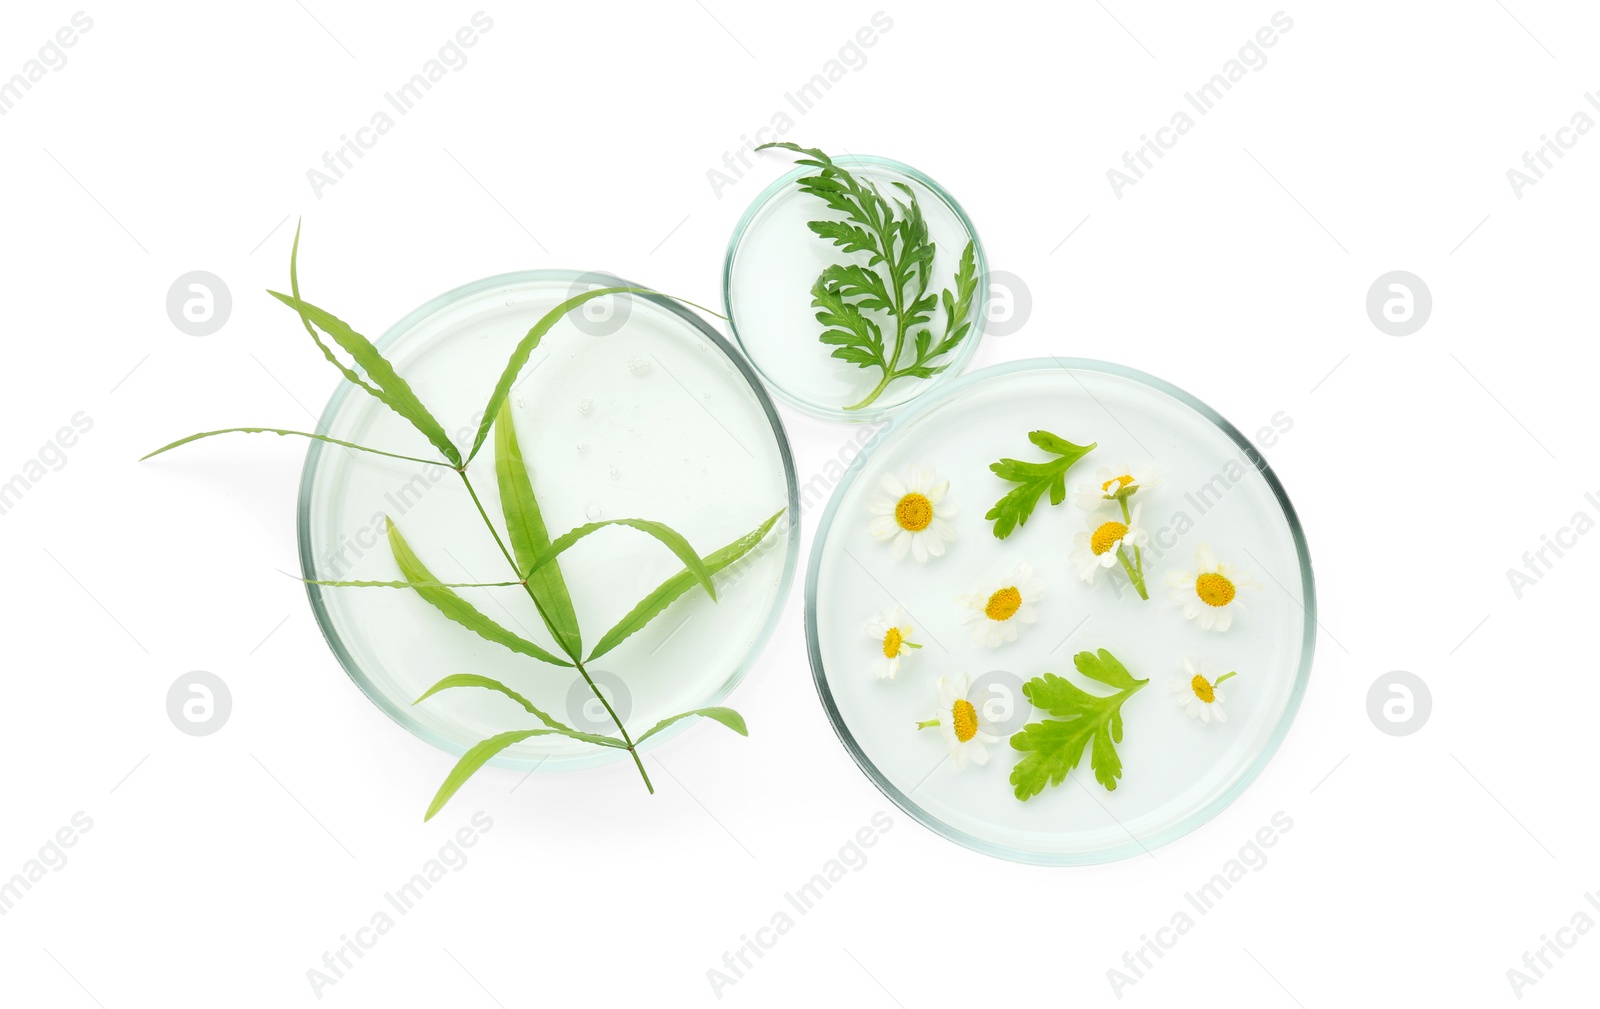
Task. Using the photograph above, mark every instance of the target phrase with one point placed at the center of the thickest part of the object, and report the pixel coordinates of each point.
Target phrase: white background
(1377, 137)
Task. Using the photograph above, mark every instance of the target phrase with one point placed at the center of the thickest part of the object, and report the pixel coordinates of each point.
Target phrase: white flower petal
(902, 546)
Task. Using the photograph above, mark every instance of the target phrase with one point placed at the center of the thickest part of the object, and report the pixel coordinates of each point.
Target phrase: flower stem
(1134, 574)
(930, 723)
(1136, 568)
(576, 660)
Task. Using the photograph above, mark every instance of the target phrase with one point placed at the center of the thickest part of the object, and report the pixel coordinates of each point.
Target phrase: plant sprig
(1033, 479)
(1054, 746)
(892, 285)
(532, 555)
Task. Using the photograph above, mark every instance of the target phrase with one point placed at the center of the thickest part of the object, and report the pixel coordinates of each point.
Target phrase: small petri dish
(630, 407)
(774, 259)
(1216, 489)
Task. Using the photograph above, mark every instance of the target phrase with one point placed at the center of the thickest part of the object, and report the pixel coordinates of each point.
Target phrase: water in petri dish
(1177, 771)
(621, 412)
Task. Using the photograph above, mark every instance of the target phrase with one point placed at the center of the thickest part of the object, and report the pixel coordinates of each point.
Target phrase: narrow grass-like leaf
(473, 759)
(474, 680)
(653, 604)
(386, 384)
(530, 538)
(525, 347)
(669, 538)
(408, 585)
(456, 608)
(281, 431)
(727, 716)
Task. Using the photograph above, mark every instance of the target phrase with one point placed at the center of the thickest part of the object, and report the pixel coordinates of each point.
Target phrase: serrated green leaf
(727, 716)
(529, 537)
(1103, 666)
(456, 608)
(487, 683)
(1054, 746)
(652, 605)
(282, 431)
(1033, 479)
(901, 256)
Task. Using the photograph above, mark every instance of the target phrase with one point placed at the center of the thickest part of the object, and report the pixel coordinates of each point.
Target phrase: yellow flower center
(1003, 605)
(965, 719)
(1116, 483)
(914, 512)
(1214, 589)
(891, 643)
(1106, 537)
(1202, 688)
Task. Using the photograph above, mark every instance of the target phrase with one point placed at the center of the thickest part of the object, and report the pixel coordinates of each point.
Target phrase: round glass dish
(630, 407)
(1216, 489)
(774, 259)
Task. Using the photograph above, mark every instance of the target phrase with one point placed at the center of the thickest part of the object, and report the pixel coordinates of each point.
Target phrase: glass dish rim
(401, 715)
(1136, 846)
(941, 380)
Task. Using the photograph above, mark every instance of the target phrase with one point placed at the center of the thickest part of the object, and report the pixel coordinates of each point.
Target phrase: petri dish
(630, 407)
(774, 259)
(1216, 489)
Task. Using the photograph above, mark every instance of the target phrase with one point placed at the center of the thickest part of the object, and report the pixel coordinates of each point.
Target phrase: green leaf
(525, 347)
(1033, 479)
(281, 431)
(529, 538)
(727, 716)
(1103, 666)
(674, 541)
(1083, 721)
(391, 390)
(894, 280)
(474, 680)
(365, 584)
(652, 605)
(456, 608)
(472, 760)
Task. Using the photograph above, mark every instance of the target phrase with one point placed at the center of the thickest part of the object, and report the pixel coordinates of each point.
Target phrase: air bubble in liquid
(586, 407)
(593, 512)
(639, 365)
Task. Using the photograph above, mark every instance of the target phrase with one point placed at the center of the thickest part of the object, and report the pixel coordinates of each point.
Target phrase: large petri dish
(1216, 489)
(630, 407)
(774, 258)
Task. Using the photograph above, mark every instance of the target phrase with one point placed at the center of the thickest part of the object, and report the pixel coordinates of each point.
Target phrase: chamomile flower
(997, 610)
(892, 633)
(1209, 594)
(959, 724)
(1096, 548)
(1197, 693)
(1114, 484)
(913, 518)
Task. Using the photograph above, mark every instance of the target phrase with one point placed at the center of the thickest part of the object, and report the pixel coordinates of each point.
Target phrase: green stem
(1134, 574)
(1136, 569)
(576, 660)
(930, 723)
(889, 374)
